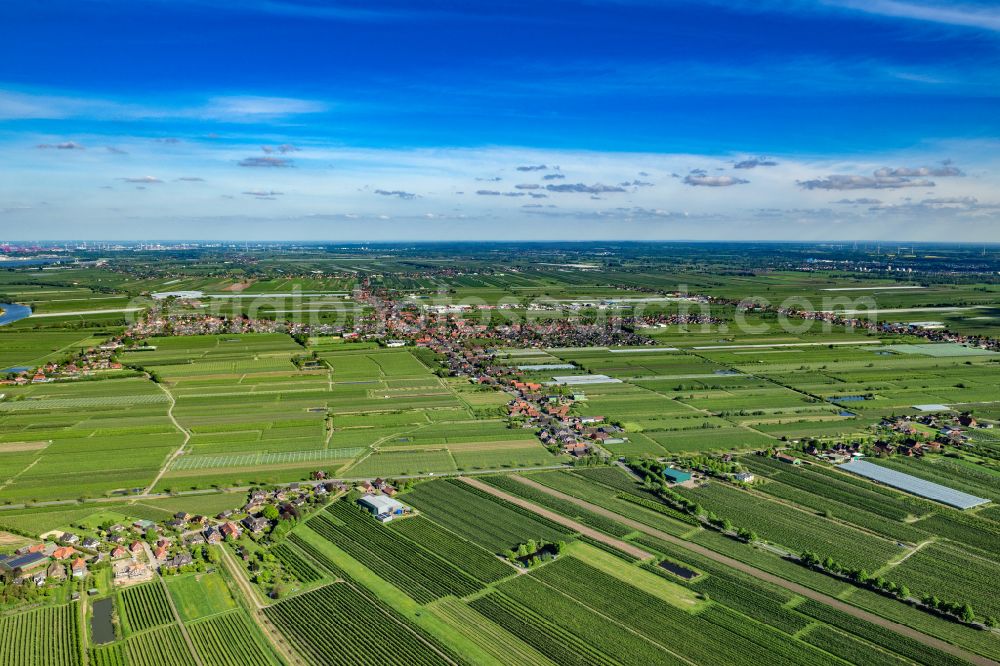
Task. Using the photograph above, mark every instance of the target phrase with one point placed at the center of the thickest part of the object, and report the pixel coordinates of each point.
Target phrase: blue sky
(402, 120)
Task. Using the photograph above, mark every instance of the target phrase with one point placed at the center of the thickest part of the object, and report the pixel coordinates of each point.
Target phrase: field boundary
(760, 574)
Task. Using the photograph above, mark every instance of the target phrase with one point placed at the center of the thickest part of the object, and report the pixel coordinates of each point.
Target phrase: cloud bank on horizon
(643, 120)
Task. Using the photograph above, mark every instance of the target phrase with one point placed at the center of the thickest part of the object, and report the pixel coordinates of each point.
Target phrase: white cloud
(333, 181)
(982, 17)
(16, 105)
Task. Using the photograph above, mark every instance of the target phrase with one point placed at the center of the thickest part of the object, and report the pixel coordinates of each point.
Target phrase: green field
(198, 596)
(199, 416)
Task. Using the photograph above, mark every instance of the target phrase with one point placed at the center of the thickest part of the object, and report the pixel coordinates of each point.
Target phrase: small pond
(102, 628)
(678, 570)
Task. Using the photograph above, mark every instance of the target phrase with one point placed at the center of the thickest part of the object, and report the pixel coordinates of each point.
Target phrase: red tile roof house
(230, 529)
(63, 553)
(160, 552)
(136, 547)
(35, 548)
(118, 553)
(79, 567)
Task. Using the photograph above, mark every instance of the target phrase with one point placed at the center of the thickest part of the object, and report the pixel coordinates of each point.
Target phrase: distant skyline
(442, 120)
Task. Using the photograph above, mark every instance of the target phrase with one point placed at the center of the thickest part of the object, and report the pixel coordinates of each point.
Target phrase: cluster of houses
(835, 453)
(914, 436)
(158, 320)
(136, 551)
(85, 364)
(52, 561)
(931, 333)
(376, 487)
(550, 414)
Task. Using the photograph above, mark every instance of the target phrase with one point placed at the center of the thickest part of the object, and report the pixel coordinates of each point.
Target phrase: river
(13, 312)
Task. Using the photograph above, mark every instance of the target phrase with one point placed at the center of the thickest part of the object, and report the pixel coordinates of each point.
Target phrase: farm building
(19, 564)
(382, 507)
(676, 475)
(791, 460)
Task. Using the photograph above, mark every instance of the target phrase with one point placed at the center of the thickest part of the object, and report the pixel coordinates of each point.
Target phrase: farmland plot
(338, 625)
(230, 640)
(792, 528)
(44, 636)
(145, 606)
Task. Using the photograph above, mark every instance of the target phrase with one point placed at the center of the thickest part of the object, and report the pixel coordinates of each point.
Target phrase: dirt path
(270, 632)
(177, 619)
(753, 571)
(623, 546)
(180, 449)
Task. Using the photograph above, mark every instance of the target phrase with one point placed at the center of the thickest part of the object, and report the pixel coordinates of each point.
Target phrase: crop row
(767, 642)
(162, 647)
(316, 555)
(565, 507)
(417, 572)
(842, 488)
(470, 558)
(336, 625)
(951, 573)
(566, 609)
(45, 636)
(146, 606)
(752, 601)
(107, 655)
(484, 520)
(602, 496)
(851, 649)
(792, 528)
(893, 529)
(964, 528)
(556, 643)
(493, 639)
(659, 507)
(702, 638)
(228, 640)
(611, 477)
(295, 564)
(885, 638)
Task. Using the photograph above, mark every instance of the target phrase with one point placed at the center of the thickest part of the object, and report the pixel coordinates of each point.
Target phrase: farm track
(270, 632)
(796, 588)
(180, 449)
(15, 477)
(623, 546)
(177, 617)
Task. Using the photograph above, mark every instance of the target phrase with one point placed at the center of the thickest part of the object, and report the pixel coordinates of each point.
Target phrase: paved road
(35, 315)
(760, 574)
(243, 489)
